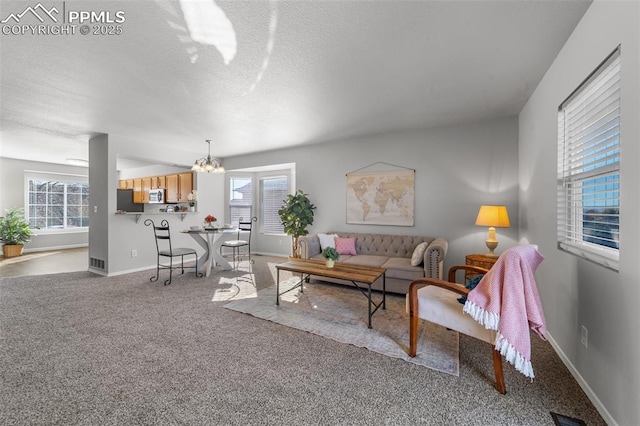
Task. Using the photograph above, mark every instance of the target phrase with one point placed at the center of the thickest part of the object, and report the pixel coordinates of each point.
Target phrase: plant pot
(330, 263)
(12, 250)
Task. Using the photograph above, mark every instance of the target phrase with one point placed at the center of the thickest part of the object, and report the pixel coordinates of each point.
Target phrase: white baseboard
(130, 271)
(608, 418)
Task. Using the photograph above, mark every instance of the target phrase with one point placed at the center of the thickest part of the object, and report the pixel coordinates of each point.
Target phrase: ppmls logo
(40, 20)
(33, 11)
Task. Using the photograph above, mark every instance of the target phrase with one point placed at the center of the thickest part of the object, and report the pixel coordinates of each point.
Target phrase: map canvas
(380, 198)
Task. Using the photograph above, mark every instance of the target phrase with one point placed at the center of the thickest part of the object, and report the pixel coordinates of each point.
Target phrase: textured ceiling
(304, 72)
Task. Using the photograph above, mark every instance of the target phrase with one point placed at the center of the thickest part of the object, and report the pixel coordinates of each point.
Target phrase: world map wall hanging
(381, 197)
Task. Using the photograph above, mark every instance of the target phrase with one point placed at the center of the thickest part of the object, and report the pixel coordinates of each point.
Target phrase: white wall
(457, 168)
(575, 292)
(12, 178)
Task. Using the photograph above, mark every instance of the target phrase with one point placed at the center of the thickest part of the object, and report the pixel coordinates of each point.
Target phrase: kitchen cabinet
(125, 184)
(171, 190)
(185, 186)
(146, 186)
(176, 187)
(138, 197)
(158, 182)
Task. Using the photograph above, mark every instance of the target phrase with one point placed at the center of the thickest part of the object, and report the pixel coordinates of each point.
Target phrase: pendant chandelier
(209, 164)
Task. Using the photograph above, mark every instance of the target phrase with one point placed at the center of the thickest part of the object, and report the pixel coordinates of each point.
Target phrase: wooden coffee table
(355, 273)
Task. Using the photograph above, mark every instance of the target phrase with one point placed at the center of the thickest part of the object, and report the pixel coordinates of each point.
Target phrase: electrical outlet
(134, 253)
(584, 337)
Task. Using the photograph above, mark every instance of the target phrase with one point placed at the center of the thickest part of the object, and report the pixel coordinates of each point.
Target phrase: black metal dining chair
(165, 249)
(244, 227)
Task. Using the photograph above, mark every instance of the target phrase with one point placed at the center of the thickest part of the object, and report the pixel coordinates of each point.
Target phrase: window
(273, 191)
(589, 166)
(240, 198)
(57, 203)
(260, 192)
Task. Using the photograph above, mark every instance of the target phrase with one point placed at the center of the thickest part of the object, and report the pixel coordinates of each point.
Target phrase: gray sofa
(389, 251)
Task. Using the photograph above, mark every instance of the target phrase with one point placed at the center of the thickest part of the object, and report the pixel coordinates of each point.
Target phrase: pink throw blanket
(507, 300)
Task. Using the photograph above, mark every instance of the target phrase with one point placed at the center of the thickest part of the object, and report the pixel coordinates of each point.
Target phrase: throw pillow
(418, 254)
(327, 240)
(471, 284)
(345, 245)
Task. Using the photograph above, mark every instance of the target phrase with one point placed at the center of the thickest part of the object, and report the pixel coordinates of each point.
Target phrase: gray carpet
(340, 313)
(76, 348)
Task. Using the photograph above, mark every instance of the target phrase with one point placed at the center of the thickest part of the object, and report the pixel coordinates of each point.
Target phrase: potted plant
(14, 232)
(296, 214)
(330, 256)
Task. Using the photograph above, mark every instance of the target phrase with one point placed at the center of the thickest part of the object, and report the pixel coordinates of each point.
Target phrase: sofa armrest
(309, 246)
(434, 258)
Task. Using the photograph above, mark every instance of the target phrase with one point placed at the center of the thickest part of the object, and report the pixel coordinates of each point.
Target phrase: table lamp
(492, 216)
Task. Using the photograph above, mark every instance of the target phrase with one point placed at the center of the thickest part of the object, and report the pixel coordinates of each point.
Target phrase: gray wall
(576, 292)
(12, 181)
(457, 168)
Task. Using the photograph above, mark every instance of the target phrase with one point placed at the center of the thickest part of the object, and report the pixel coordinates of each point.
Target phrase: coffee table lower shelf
(354, 273)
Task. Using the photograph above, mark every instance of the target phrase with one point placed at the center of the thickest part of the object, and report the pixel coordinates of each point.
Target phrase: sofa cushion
(345, 245)
(366, 260)
(400, 267)
(327, 240)
(418, 254)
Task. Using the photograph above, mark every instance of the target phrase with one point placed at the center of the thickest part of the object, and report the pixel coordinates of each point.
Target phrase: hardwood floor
(45, 262)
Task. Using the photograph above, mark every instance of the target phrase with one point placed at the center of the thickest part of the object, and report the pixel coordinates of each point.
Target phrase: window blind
(589, 166)
(273, 192)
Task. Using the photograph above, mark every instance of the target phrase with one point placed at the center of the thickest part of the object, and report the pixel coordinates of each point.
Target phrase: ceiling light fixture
(208, 164)
(77, 162)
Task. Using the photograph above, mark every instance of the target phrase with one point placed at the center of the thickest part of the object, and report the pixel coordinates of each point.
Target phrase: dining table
(210, 239)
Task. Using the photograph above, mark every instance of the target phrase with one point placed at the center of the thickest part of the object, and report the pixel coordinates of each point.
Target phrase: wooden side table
(478, 260)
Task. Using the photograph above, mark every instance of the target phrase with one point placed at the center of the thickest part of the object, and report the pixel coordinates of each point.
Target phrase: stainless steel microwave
(156, 196)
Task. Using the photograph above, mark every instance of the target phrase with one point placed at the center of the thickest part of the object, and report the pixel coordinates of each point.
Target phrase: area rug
(340, 313)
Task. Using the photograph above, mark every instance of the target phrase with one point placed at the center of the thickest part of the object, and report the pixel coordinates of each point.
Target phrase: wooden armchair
(436, 301)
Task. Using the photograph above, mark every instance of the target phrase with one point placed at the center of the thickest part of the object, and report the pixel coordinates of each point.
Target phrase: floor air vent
(96, 263)
(560, 420)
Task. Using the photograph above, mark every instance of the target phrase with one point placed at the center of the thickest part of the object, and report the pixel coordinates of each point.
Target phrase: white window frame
(52, 176)
(589, 139)
(257, 174)
(230, 176)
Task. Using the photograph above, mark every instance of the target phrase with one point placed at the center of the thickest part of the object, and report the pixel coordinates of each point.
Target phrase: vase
(192, 208)
(330, 263)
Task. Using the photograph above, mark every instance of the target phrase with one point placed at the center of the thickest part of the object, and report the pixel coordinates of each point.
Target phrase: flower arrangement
(210, 219)
(192, 197)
